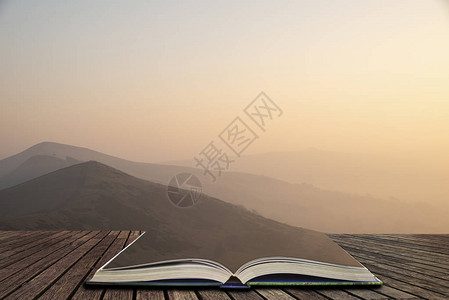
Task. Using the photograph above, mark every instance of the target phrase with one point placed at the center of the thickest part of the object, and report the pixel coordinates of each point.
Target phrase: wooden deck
(55, 264)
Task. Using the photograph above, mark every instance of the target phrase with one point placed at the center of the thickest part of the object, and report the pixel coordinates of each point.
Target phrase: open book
(311, 259)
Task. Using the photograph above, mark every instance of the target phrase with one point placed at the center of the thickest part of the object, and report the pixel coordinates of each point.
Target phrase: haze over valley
(301, 205)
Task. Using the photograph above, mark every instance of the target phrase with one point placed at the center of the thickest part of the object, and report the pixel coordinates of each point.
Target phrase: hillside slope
(94, 196)
(296, 204)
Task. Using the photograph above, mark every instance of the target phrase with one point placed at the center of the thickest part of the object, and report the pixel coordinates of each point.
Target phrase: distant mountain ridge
(55, 150)
(380, 175)
(80, 192)
(33, 167)
(296, 204)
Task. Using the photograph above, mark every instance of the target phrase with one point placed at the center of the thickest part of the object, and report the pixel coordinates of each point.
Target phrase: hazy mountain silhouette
(34, 167)
(296, 204)
(153, 172)
(89, 195)
(55, 150)
(382, 176)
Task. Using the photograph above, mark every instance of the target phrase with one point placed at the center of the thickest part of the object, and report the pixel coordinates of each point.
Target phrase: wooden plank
(385, 252)
(273, 294)
(433, 236)
(132, 236)
(365, 253)
(428, 238)
(13, 235)
(422, 288)
(398, 253)
(11, 283)
(438, 277)
(28, 252)
(390, 259)
(68, 283)
(394, 293)
(124, 293)
(118, 293)
(429, 282)
(401, 249)
(38, 242)
(335, 294)
(150, 294)
(37, 256)
(85, 292)
(244, 295)
(40, 283)
(428, 241)
(365, 293)
(405, 284)
(304, 293)
(417, 267)
(20, 240)
(397, 241)
(213, 294)
(7, 234)
(177, 294)
(438, 270)
(31, 251)
(429, 244)
(425, 281)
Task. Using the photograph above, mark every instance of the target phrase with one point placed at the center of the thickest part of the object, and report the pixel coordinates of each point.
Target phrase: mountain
(33, 167)
(300, 205)
(93, 196)
(89, 196)
(380, 175)
(153, 172)
(56, 150)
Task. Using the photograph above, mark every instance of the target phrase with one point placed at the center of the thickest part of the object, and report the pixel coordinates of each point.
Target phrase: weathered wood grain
(405, 251)
(305, 294)
(382, 251)
(39, 243)
(34, 264)
(244, 295)
(336, 294)
(147, 294)
(365, 293)
(84, 292)
(64, 286)
(14, 241)
(38, 284)
(213, 294)
(393, 293)
(124, 293)
(54, 265)
(274, 294)
(31, 251)
(118, 293)
(413, 240)
(175, 294)
(17, 278)
(434, 248)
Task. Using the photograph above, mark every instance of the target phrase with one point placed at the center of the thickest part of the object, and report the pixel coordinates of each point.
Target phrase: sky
(158, 80)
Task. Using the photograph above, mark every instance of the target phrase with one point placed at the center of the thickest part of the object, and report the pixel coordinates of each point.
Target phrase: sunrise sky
(157, 80)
